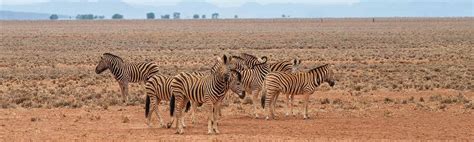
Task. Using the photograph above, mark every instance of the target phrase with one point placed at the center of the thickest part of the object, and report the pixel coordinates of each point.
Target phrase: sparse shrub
(325, 101)
(422, 100)
(404, 101)
(34, 119)
(435, 97)
(125, 119)
(468, 105)
(411, 99)
(442, 106)
(337, 101)
(387, 100)
(447, 101)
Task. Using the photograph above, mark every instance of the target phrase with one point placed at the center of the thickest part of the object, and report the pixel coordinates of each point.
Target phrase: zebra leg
(215, 108)
(182, 118)
(210, 119)
(291, 98)
(255, 102)
(193, 111)
(180, 103)
(288, 104)
(125, 92)
(122, 90)
(160, 119)
(275, 98)
(268, 104)
(150, 113)
(306, 99)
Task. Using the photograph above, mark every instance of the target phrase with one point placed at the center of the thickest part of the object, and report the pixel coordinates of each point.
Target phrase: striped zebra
(125, 72)
(252, 79)
(208, 90)
(158, 88)
(293, 84)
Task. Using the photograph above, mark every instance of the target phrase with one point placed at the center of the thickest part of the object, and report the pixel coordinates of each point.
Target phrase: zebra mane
(112, 55)
(316, 68)
(249, 56)
(236, 57)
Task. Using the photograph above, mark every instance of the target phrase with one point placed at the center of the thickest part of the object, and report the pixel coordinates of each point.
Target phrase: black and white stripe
(125, 72)
(293, 84)
(208, 89)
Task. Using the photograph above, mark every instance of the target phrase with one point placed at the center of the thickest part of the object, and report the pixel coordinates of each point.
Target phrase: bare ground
(380, 121)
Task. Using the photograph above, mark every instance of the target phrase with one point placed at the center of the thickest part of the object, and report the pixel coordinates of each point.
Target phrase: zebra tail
(172, 102)
(188, 106)
(262, 101)
(147, 106)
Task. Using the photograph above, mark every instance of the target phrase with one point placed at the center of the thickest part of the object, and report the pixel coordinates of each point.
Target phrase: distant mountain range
(365, 8)
(10, 15)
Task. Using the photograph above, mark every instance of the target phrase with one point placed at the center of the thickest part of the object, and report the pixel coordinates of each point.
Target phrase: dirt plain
(397, 78)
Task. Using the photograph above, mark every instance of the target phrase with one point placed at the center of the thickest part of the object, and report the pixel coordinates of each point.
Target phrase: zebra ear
(224, 58)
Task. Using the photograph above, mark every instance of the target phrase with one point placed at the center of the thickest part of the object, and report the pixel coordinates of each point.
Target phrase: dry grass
(47, 64)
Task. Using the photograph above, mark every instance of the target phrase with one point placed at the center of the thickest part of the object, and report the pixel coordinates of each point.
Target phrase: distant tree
(236, 16)
(176, 15)
(215, 15)
(203, 16)
(54, 17)
(117, 16)
(150, 15)
(85, 17)
(196, 16)
(283, 16)
(101, 17)
(166, 16)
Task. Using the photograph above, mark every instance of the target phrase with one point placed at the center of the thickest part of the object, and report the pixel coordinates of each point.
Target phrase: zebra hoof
(216, 131)
(179, 132)
(267, 118)
(168, 125)
(306, 117)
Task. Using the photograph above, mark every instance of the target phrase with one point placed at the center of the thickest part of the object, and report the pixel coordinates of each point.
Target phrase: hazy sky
(171, 2)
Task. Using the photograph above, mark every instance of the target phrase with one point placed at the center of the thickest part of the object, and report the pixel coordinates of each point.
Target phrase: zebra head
(106, 60)
(102, 66)
(221, 68)
(235, 83)
(329, 76)
(296, 65)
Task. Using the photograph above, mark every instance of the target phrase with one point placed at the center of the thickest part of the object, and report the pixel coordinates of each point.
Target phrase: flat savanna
(397, 78)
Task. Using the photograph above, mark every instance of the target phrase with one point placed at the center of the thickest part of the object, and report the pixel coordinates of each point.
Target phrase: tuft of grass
(435, 98)
(442, 106)
(35, 119)
(388, 100)
(125, 119)
(324, 101)
(422, 100)
(337, 101)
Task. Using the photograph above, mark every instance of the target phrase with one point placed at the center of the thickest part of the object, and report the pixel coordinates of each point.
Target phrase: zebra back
(285, 66)
(297, 83)
(130, 72)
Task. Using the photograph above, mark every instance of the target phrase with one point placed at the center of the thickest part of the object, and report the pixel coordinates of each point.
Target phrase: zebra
(293, 84)
(209, 90)
(158, 88)
(125, 72)
(252, 79)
